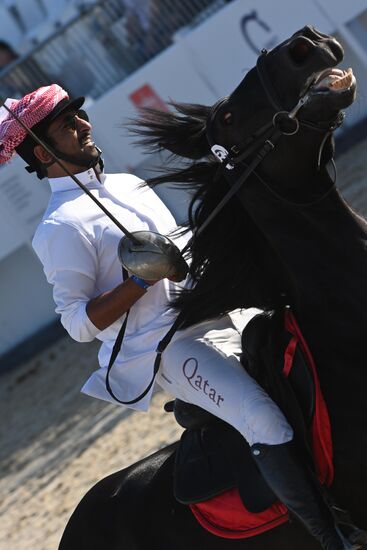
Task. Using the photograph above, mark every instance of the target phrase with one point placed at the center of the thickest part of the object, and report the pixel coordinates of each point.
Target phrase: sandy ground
(56, 443)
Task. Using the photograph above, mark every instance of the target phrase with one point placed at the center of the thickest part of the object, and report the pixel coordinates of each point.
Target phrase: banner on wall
(146, 97)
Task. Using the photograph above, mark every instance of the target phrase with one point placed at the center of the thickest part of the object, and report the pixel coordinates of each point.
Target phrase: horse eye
(227, 118)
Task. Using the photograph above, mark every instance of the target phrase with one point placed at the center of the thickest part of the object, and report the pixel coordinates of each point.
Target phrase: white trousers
(201, 366)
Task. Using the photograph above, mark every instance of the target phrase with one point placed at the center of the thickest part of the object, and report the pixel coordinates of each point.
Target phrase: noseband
(264, 140)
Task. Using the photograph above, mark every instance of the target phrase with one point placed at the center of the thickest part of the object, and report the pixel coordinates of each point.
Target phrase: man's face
(71, 135)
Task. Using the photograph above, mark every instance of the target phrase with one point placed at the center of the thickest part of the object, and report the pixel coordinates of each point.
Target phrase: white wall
(26, 303)
(220, 49)
(202, 66)
(23, 201)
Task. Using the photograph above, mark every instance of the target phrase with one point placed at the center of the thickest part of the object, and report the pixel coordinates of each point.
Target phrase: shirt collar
(88, 178)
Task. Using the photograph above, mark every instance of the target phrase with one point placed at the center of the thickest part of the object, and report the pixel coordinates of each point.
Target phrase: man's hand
(108, 307)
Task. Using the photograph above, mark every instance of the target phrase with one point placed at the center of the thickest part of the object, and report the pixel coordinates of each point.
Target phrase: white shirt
(77, 245)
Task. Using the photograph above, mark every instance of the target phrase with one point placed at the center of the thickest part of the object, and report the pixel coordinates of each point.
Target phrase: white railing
(103, 45)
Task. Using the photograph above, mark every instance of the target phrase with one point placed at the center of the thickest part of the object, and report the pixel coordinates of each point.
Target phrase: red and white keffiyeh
(31, 109)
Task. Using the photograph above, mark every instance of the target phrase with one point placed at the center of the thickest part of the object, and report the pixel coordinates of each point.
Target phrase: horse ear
(183, 132)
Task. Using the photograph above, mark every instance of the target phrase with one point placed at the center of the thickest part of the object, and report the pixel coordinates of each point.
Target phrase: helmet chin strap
(75, 159)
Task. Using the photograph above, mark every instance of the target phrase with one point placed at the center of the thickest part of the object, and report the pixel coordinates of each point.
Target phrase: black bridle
(265, 140)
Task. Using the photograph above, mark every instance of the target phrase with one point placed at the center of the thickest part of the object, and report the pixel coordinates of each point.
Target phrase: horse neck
(321, 245)
(315, 234)
(293, 165)
(323, 250)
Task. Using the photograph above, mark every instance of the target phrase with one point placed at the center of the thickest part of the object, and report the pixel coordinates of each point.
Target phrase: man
(77, 245)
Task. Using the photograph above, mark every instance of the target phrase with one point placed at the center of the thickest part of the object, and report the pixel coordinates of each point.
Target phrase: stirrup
(351, 534)
(348, 544)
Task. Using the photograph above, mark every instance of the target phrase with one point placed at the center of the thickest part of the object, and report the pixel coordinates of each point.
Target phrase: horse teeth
(344, 82)
(336, 79)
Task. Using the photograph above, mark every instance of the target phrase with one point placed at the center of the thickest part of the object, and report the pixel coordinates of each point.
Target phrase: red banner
(145, 96)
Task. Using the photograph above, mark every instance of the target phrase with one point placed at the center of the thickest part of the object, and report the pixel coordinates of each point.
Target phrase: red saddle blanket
(225, 515)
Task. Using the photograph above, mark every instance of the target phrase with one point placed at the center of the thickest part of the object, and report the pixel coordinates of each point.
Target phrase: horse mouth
(335, 80)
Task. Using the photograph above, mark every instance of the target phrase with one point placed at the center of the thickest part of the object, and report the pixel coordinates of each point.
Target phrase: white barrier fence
(200, 67)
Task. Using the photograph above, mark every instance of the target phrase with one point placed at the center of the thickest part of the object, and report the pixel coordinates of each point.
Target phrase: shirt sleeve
(70, 264)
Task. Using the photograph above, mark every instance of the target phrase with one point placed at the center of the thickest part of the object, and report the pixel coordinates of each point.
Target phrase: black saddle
(213, 456)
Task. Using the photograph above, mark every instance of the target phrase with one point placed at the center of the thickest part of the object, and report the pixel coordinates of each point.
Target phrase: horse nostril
(336, 49)
(300, 49)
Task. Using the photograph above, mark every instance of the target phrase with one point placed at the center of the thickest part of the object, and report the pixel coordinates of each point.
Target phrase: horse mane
(183, 132)
(221, 257)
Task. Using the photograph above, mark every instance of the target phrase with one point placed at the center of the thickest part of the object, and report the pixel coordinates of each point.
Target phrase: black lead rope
(160, 349)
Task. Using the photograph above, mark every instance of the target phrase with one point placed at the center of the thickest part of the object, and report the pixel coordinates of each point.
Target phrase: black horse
(286, 237)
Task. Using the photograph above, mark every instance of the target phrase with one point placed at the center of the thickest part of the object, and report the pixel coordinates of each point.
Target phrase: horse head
(296, 90)
(302, 68)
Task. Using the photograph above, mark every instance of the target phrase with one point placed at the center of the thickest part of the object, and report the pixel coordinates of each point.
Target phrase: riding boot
(295, 486)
